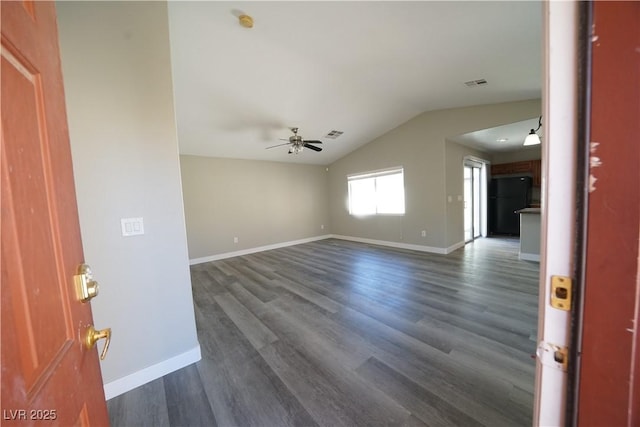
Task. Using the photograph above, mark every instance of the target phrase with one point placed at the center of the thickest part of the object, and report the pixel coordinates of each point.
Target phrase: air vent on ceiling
(334, 134)
(479, 82)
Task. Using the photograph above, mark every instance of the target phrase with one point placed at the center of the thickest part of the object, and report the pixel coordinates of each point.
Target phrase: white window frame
(398, 170)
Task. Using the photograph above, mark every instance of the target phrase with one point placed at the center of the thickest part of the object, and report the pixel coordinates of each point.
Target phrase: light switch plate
(132, 226)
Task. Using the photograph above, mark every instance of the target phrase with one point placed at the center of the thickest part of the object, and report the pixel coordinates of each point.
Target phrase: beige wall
(117, 76)
(260, 203)
(419, 146)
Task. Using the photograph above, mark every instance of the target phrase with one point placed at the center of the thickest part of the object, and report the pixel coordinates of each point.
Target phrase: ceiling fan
(297, 143)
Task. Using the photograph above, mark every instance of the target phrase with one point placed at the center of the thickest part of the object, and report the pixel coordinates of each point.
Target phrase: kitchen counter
(529, 211)
(529, 234)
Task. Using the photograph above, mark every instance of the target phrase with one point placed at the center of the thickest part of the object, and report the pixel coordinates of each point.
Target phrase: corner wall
(117, 76)
(419, 146)
(263, 204)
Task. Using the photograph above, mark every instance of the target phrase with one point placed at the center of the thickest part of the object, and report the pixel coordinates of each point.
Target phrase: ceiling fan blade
(279, 145)
(312, 147)
(312, 141)
(283, 139)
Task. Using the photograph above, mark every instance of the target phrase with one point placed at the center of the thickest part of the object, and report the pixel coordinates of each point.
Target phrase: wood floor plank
(478, 398)
(414, 421)
(305, 328)
(143, 406)
(341, 333)
(247, 299)
(333, 400)
(187, 402)
(427, 406)
(205, 281)
(308, 294)
(252, 328)
(242, 389)
(251, 394)
(442, 374)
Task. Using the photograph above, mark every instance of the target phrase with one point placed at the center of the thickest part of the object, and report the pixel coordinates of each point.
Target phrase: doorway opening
(475, 190)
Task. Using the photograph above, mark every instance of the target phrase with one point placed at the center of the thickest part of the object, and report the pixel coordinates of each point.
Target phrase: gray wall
(117, 76)
(260, 203)
(419, 146)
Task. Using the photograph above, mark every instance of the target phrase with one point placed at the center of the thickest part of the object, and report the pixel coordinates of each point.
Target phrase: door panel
(47, 373)
(36, 299)
(610, 316)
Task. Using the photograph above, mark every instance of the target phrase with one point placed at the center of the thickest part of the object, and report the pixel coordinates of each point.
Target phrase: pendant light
(533, 138)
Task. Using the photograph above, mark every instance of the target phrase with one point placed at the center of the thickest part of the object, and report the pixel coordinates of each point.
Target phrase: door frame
(483, 165)
(558, 216)
(566, 230)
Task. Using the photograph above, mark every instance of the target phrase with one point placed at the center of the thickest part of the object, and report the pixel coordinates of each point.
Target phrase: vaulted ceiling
(362, 68)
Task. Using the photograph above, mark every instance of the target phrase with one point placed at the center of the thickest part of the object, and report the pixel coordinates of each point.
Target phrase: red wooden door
(610, 346)
(47, 372)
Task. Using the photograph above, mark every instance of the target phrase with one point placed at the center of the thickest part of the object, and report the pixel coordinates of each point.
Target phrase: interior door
(609, 376)
(48, 374)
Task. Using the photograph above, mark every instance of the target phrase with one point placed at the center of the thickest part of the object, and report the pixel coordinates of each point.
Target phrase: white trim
(473, 162)
(421, 248)
(529, 257)
(256, 249)
(455, 247)
(375, 173)
(146, 375)
(558, 215)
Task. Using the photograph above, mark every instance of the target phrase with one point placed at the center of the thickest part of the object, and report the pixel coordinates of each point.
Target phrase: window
(377, 193)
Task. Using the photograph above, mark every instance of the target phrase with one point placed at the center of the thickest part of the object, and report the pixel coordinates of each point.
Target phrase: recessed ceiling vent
(473, 83)
(334, 134)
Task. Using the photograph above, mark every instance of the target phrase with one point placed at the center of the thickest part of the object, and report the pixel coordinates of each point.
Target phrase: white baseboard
(143, 376)
(421, 248)
(256, 249)
(529, 257)
(455, 247)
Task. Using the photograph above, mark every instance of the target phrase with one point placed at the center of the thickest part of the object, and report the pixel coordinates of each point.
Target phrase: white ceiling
(359, 67)
(501, 138)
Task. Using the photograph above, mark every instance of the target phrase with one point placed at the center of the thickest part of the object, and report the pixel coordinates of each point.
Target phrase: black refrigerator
(507, 195)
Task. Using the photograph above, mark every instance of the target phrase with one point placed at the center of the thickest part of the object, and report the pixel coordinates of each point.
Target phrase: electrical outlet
(424, 233)
(235, 240)
(321, 226)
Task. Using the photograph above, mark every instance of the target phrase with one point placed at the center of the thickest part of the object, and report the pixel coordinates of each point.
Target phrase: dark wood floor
(337, 333)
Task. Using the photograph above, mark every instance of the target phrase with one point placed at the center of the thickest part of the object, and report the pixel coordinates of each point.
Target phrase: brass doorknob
(94, 335)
